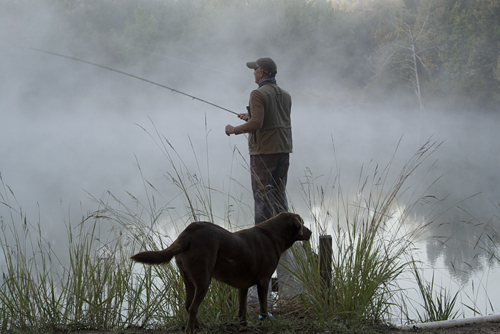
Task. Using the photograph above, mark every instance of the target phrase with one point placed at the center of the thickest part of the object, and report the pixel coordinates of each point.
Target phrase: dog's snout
(306, 234)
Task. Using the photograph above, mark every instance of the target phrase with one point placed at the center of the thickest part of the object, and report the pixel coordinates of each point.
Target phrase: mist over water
(70, 131)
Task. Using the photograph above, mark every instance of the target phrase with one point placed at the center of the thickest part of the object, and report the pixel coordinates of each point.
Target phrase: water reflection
(463, 233)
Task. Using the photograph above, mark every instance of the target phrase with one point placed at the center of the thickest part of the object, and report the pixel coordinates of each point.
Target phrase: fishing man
(270, 144)
(270, 140)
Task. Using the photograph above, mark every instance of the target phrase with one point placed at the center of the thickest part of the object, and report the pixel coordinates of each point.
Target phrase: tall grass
(99, 288)
(437, 306)
(96, 289)
(488, 242)
(373, 235)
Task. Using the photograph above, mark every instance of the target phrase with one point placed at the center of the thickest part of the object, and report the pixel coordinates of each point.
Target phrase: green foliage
(437, 306)
(469, 35)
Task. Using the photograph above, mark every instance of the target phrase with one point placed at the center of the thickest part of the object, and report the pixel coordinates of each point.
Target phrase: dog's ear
(299, 223)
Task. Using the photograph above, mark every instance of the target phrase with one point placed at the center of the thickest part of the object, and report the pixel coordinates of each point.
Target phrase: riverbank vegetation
(95, 286)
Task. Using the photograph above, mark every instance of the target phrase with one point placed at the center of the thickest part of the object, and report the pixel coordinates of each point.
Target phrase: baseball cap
(266, 64)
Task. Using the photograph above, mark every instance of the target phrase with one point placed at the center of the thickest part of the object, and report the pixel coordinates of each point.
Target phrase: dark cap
(266, 64)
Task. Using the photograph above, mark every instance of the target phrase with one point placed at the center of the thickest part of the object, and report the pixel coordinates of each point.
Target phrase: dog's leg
(262, 288)
(242, 311)
(200, 291)
(189, 286)
(190, 289)
(191, 292)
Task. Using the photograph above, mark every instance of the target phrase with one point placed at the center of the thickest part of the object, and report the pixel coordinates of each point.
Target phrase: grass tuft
(437, 306)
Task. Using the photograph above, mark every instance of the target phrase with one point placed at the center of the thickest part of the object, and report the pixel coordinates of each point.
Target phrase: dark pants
(269, 173)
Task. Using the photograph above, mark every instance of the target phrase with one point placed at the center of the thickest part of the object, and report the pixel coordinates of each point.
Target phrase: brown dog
(242, 259)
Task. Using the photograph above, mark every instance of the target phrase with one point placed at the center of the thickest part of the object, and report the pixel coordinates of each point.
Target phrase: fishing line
(133, 76)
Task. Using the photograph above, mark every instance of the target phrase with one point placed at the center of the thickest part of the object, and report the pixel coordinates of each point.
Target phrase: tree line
(445, 51)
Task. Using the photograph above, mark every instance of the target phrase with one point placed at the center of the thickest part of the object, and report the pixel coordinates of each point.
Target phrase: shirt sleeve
(257, 114)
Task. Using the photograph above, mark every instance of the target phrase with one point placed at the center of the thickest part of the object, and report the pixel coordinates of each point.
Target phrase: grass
(99, 288)
(372, 245)
(437, 306)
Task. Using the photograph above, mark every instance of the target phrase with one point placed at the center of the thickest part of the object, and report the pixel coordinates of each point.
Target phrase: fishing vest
(275, 135)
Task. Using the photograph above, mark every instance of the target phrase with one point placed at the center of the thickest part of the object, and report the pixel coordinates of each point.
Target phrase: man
(270, 144)
(270, 140)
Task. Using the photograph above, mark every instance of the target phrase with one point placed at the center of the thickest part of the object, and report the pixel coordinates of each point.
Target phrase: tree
(403, 53)
(469, 45)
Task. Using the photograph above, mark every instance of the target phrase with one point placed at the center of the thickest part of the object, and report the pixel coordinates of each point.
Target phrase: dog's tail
(160, 257)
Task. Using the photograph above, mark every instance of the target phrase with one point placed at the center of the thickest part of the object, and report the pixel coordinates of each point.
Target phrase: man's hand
(229, 129)
(243, 116)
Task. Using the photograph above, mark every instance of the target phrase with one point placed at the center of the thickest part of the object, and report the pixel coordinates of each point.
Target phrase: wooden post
(325, 260)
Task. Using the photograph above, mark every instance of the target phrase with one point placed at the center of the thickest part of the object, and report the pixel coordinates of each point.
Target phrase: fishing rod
(133, 76)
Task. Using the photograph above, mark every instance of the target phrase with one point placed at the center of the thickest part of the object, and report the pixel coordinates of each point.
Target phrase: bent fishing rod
(132, 76)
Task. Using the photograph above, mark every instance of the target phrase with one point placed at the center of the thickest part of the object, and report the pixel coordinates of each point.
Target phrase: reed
(99, 288)
(373, 237)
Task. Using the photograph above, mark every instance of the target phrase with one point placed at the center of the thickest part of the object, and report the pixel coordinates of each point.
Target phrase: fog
(71, 132)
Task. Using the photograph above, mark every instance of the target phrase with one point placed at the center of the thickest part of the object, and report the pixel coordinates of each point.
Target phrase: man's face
(258, 74)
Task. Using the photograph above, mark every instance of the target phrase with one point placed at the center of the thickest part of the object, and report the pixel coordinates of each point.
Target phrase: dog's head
(303, 233)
